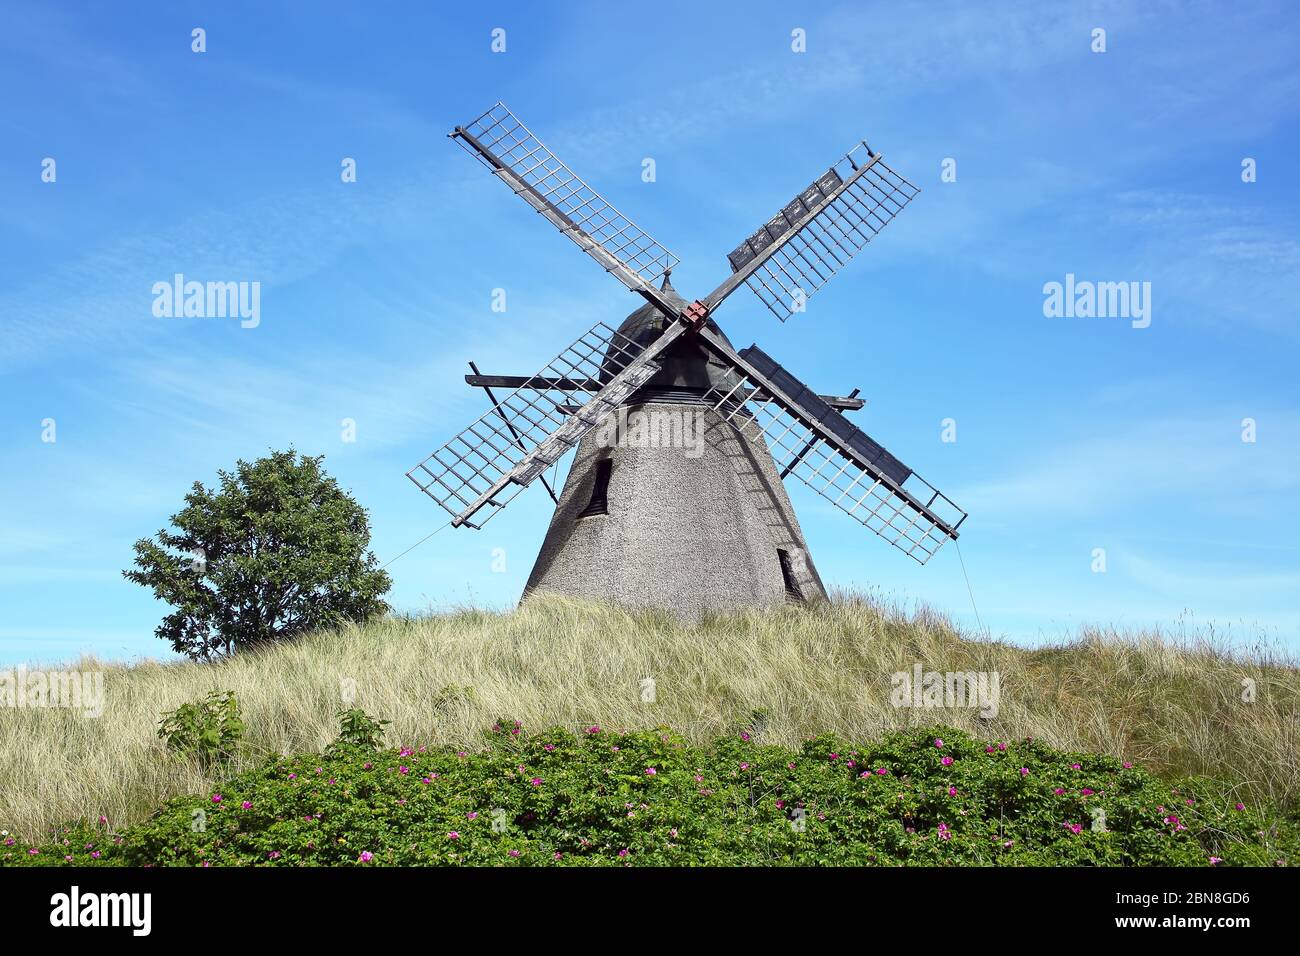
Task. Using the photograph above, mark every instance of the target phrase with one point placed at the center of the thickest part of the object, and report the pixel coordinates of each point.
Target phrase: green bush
(207, 731)
(358, 729)
(929, 797)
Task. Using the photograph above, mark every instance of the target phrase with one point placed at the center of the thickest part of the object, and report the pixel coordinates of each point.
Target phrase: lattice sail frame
(885, 496)
(497, 456)
(791, 257)
(849, 205)
(586, 216)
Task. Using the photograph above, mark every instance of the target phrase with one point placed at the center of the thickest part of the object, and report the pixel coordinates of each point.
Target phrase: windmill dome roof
(689, 370)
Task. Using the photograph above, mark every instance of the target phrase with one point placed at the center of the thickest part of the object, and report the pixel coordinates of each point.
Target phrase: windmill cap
(687, 366)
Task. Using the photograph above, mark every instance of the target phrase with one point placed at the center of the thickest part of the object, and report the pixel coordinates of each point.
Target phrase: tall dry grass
(1173, 704)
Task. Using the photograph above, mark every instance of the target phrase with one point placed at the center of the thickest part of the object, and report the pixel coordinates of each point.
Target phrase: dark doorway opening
(792, 592)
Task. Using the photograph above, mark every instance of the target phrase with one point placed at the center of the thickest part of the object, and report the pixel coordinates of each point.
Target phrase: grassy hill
(1174, 707)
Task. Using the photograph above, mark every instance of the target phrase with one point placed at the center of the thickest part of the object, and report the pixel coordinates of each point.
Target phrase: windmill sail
(798, 250)
(831, 455)
(524, 163)
(530, 429)
(784, 262)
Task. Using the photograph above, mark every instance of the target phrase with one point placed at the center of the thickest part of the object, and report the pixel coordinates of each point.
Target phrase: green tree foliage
(278, 549)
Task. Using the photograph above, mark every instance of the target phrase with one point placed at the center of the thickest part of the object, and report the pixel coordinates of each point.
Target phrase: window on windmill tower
(599, 503)
(792, 592)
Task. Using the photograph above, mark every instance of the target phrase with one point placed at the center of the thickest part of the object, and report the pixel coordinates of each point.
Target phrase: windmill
(702, 522)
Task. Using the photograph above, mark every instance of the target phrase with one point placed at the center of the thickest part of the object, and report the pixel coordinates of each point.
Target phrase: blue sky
(1072, 434)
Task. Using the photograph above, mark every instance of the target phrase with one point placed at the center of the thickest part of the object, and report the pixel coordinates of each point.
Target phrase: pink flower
(1241, 806)
(536, 781)
(1075, 828)
(103, 820)
(246, 805)
(946, 761)
(1002, 746)
(94, 855)
(988, 749)
(650, 771)
(1128, 765)
(273, 855)
(1024, 771)
(623, 852)
(403, 770)
(294, 776)
(472, 815)
(366, 856)
(1058, 791)
(1074, 766)
(1086, 792)
(881, 771)
(1214, 860)
(514, 853)
(938, 743)
(744, 736)
(952, 791)
(593, 730)
(745, 766)
(216, 798)
(453, 835)
(558, 854)
(835, 756)
(548, 747)
(944, 832)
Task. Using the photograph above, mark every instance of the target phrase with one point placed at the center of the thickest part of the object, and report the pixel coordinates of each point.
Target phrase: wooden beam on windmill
(842, 402)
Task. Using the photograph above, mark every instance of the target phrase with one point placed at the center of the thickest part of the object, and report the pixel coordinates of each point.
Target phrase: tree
(278, 550)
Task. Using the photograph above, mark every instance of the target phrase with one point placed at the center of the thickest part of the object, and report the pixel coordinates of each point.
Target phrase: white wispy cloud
(1215, 584)
(1173, 459)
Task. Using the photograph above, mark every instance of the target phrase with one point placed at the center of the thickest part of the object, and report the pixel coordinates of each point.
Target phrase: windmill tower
(675, 496)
